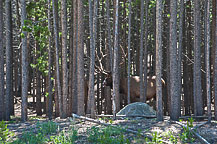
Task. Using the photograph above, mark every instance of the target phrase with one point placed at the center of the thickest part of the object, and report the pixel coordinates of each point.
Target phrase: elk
(134, 87)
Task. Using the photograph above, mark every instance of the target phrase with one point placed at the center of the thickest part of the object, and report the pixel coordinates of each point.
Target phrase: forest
(73, 61)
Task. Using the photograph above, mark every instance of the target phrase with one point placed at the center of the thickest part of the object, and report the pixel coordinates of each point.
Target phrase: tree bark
(75, 45)
(80, 57)
(215, 67)
(108, 58)
(9, 50)
(56, 35)
(128, 52)
(198, 101)
(175, 98)
(159, 59)
(141, 52)
(50, 85)
(24, 64)
(2, 107)
(207, 57)
(179, 53)
(115, 75)
(64, 57)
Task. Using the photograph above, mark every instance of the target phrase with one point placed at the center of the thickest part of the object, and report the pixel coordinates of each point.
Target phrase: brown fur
(135, 87)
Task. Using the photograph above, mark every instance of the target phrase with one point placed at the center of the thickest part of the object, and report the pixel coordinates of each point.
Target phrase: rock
(137, 108)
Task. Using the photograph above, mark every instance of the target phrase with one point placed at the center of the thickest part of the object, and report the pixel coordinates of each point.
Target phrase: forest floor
(89, 132)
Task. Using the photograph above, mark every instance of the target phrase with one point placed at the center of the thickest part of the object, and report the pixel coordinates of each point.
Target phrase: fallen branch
(203, 140)
(200, 125)
(144, 116)
(107, 124)
(114, 126)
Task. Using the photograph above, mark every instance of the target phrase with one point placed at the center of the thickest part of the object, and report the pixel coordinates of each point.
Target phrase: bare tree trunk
(207, 57)
(165, 73)
(188, 78)
(75, 44)
(9, 73)
(71, 31)
(24, 64)
(2, 107)
(80, 57)
(128, 52)
(56, 34)
(64, 56)
(215, 67)
(116, 95)
(175, 98)
(159, 59)
(198, 101)
(93, 34)
(108, 58)
(141, 52)
(145, 49)
(50, 86)
(179, 53)
(38, 88)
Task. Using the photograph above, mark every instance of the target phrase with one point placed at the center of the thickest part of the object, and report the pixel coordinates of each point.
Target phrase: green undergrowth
(48, 132)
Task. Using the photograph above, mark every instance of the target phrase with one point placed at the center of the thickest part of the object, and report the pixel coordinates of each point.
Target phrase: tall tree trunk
(188, 78)
(179, 53)
(80, 57)
(108, 58)
(24, 64)
(93, 34)
(64, 56)
(213, 36)
(165, 73)
(2, 108)
(175, 98)
(9, 73)
(215, 67)
(75, 45)
(70, 60)
(128, 52)
(56, 35)
(159, 60)
(141, 52)
(207, 57)
(198, 101)
(116, 95)
(145, 49)
(50, 86)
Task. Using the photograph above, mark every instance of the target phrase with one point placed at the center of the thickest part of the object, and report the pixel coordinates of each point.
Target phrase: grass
(48, 132)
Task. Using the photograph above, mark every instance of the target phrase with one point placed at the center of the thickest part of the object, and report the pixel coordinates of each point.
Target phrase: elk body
(135, 87)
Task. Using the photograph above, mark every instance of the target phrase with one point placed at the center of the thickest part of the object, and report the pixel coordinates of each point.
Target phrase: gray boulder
(137, 108)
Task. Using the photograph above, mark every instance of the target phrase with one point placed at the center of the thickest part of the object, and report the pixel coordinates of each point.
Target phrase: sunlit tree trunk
(64, 56)
(56, 38)
(80, 57)
(24, 64)
(115, 75)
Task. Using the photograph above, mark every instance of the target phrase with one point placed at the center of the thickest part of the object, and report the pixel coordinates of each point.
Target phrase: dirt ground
(145, 126)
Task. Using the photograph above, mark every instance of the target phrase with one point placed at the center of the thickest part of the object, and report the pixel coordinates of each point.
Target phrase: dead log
(203, 140)
(114, 126)
(107, 124)
(144, 116)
